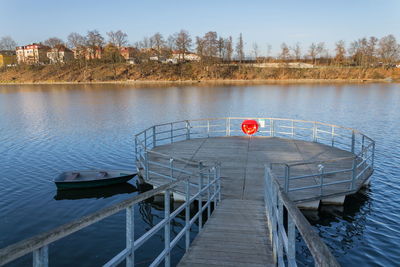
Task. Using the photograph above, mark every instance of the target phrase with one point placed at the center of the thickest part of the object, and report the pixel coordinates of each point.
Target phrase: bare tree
(221, 48)
(312, 52)
(388, 49)
(7, 43)
(256, 51)
(321, 49)
(269, 48)
(340, 49)
(94, 39)
(53, 42)
(229, 48)
(183, 43)
(240, 48)
(75, 40)
(210, 45)
(372, 49)
(171, 42)
(118, 38)
(296, 51)
(95, 42)
(158, 42)
(285, 52)
(200, 47)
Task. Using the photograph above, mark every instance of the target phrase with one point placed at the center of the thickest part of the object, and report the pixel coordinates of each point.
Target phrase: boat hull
(93, 183)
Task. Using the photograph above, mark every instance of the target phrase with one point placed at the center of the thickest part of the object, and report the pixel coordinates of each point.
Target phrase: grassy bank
(187, 72)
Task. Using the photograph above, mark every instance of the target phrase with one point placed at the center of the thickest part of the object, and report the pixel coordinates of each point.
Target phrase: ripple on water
(93, 127)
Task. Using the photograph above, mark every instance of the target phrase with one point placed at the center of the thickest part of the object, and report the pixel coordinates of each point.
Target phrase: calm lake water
(45, 129)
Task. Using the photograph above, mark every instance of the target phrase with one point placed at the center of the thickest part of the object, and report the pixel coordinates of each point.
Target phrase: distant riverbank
(211, 82)
(190, 73)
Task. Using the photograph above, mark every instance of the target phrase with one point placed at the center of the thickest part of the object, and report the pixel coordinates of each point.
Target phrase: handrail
(211, 188)
(26, 246)
(361, 146)
(283, 236)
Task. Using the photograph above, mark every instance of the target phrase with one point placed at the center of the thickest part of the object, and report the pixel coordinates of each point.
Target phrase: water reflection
(98, 192)
(339, 226)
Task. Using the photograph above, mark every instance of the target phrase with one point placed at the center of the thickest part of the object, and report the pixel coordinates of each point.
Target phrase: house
(128, 53)
(32, 54)
(60, 54)
(188, 56)
(88, 52)
(7, 58)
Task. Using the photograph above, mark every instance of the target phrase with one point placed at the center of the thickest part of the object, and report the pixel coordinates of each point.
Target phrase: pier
(246, 190)
(310, 162)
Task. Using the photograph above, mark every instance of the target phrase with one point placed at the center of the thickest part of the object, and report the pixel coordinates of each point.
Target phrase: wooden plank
(235, 235)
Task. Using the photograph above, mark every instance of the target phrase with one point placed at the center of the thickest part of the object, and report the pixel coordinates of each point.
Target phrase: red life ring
(249, 127)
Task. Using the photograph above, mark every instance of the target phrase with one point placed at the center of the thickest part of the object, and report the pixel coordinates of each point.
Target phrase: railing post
(208, 128)
(353, 141)
(167, 228)
(171, 166)
(41, 257)
(187, 214)
(321, 179)
(291, 242)
(130, 235)
(274, 222)
(208, 195)
(272, 128)
(314, 132)
(362, 146)
(228, 127)
(145, 139)
(219, 182)
(187, 130)
(215, 186)
(146, 163)
(280, 237)
(354, 174)
(333, 136)
(154, 137)
(200, 196)
(172, 134)
(287, 178)
(292, 129)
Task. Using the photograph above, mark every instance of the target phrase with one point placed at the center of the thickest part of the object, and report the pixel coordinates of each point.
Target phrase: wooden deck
(243, 160)
(236, 234)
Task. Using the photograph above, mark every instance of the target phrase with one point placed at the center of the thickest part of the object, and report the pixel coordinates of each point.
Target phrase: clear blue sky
(263, 22)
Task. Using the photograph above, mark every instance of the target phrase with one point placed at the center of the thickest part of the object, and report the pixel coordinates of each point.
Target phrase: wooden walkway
(235, 235)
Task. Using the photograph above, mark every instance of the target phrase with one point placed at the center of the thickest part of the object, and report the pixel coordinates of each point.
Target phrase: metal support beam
(167, 228)
(41, 257)
(130, 235)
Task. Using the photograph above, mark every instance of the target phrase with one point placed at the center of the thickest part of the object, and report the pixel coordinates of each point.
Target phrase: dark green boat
(92, 178)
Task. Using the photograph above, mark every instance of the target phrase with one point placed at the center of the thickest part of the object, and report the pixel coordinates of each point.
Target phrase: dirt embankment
(102, 72)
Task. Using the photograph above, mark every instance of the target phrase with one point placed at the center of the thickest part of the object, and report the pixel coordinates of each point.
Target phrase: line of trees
(211, 47)
(365, 52)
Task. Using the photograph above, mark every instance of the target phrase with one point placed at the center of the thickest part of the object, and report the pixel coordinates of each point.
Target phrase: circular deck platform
(243, 159)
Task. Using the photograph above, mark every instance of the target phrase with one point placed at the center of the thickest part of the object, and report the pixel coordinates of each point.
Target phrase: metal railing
(208, 187)
(362, 147)
(283, 219)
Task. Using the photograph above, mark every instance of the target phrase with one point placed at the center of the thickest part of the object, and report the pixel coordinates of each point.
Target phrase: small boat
(92, 178)
(95, 192)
